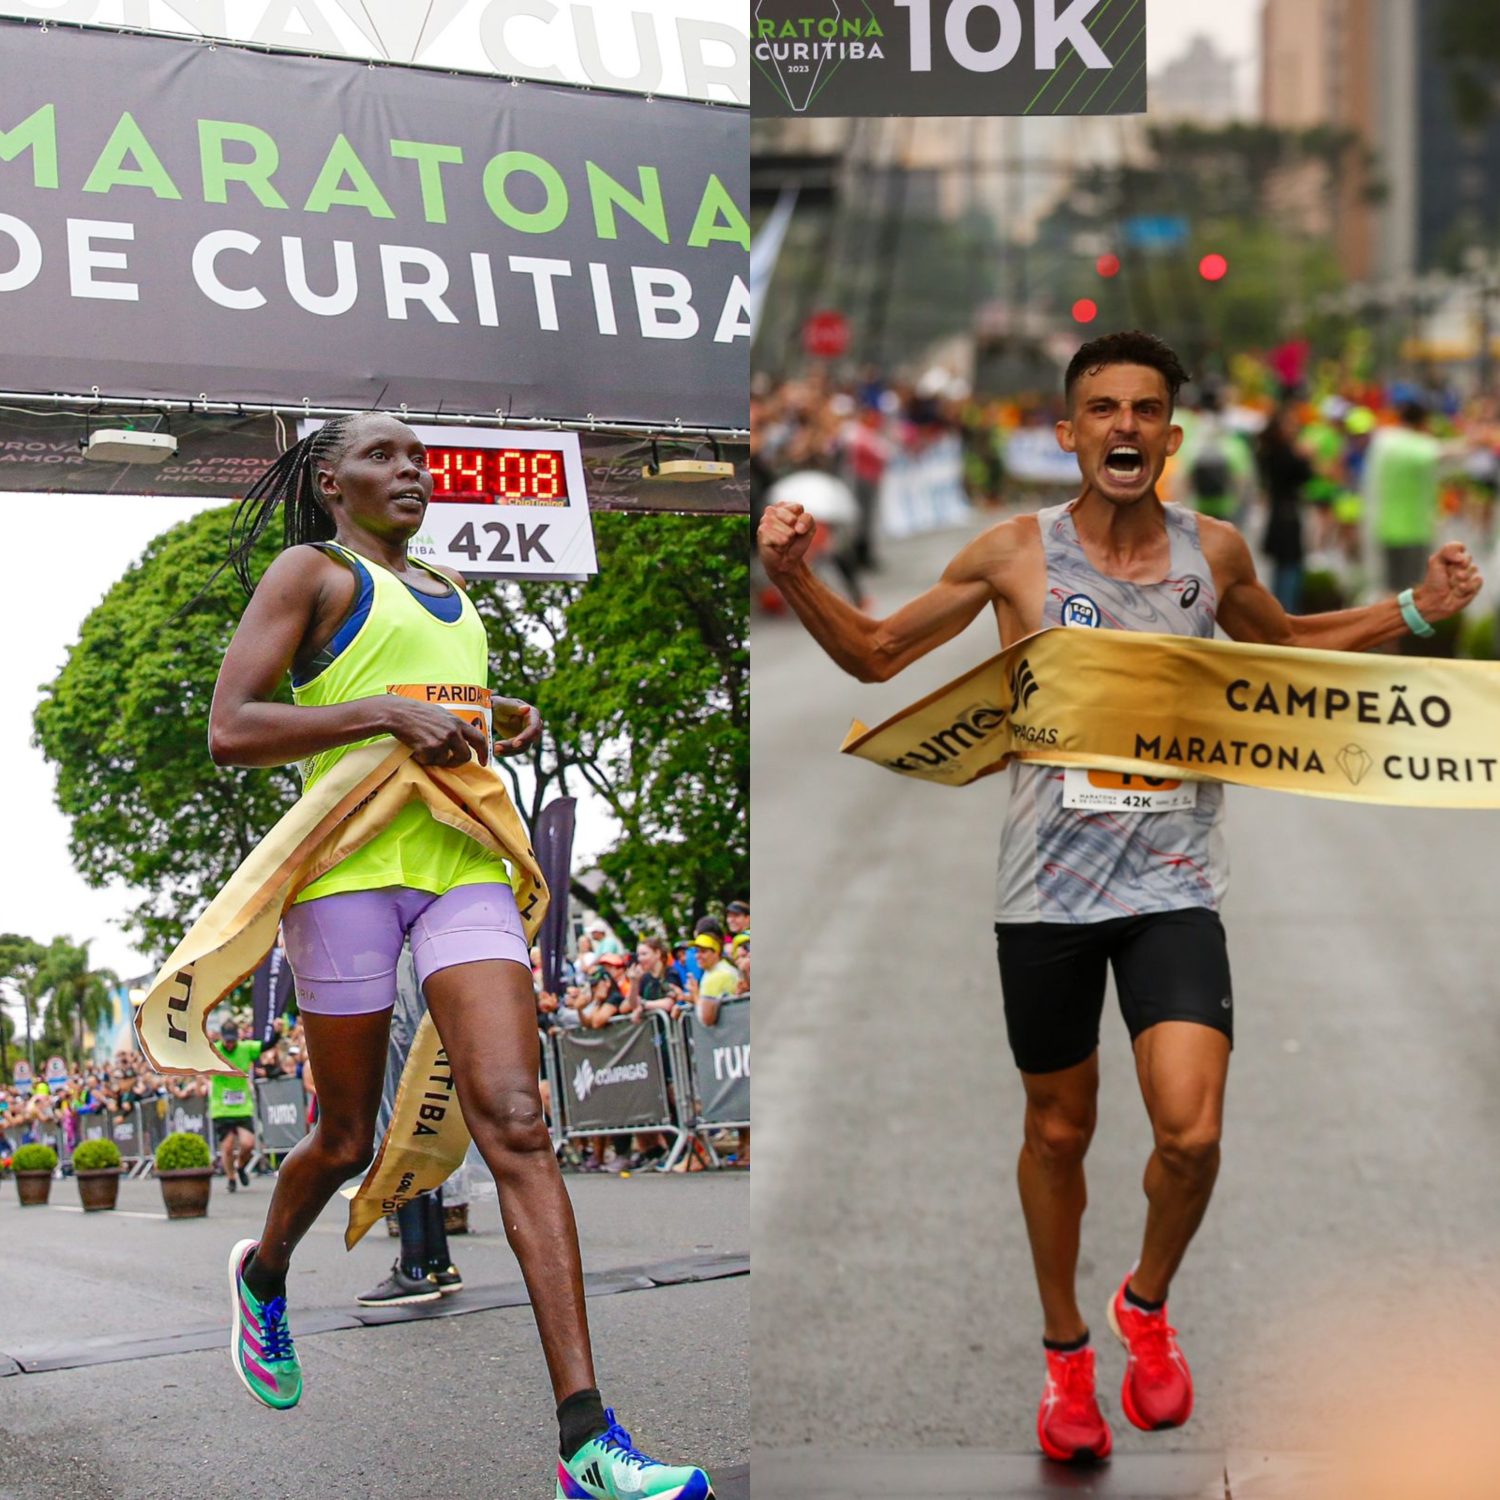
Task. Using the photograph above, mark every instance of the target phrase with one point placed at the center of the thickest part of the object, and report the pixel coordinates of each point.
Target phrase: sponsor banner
(686, 47)
(218, 224)
(552, 838)
(1401, 731)
(282, 1106)
(164, 1116)
(128, 1133)
(57, 1073)
(721, 1064)
(21, 1079)
(948, 57)
(924, 491)
(613, 1078)
(271, 990)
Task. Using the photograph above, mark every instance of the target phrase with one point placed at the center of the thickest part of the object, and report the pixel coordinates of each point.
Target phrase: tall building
(1376, 68)
(1198, 86)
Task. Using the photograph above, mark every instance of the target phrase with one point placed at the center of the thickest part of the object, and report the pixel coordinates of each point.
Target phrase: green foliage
(95, 1156)
(642, 675)
(1243, 190)
(80, 996)
(34, 1158)
(1478, 638)
(19, 959)
(182, 1150)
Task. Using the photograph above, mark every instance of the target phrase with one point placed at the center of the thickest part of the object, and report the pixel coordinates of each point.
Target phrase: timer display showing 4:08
(498, 476)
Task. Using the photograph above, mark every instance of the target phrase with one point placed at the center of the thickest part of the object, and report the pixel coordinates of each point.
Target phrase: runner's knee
(1058, 1136)
(347, 1153)
(510, 1120)
(1191, 1150)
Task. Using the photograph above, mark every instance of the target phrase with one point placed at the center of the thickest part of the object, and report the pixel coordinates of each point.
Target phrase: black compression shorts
(1169, 966)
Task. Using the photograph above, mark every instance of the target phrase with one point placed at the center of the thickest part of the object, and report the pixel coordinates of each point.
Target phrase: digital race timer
(498, 476)
(476, 471)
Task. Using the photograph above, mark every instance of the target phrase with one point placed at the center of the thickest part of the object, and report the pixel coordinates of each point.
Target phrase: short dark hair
(1412, 412)
(1132, 347)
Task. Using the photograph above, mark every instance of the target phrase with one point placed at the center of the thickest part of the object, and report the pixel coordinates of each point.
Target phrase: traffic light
(1108, 265)
(1213, 267)
(1085, 310)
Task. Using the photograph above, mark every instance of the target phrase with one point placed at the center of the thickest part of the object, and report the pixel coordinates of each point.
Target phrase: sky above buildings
(1233, 26)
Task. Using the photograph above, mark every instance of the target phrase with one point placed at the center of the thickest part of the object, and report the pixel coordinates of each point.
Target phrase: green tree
(19, 960)
(641, 675)
(78, 995)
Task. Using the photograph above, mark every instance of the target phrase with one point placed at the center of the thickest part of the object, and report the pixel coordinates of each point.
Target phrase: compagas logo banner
(948, 57)
(1400, 731)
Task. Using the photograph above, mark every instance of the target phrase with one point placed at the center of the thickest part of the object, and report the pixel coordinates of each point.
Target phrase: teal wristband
(1412, 615)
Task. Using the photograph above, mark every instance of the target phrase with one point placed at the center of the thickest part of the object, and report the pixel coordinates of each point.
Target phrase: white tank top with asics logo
(1076, 863)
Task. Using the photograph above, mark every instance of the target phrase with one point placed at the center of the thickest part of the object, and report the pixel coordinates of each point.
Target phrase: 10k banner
(948, 57)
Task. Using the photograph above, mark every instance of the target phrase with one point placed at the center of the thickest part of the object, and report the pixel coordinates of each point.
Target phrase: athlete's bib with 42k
(1125, 791)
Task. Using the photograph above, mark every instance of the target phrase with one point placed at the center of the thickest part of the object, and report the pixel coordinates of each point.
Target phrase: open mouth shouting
(1124, 463)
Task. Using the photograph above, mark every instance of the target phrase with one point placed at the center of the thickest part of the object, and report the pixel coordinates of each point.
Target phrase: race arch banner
(185, 221)
(948, 57)
(1403, 731)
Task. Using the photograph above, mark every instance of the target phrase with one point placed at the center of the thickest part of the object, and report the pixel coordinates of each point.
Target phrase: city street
(895, 1307)
(115, 1382)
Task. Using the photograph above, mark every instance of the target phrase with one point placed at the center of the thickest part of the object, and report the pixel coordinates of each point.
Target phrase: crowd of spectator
(116, 1087)
(602, 983)
(605, 983)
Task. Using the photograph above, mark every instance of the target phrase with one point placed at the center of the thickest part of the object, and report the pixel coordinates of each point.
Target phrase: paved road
(894, 1304)
(456, 1406)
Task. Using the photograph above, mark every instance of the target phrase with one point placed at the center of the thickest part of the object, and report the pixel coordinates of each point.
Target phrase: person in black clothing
(1284, 471)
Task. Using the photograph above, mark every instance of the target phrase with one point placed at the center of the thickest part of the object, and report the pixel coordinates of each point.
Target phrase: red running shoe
(1070, 1426)
(1158, 1387)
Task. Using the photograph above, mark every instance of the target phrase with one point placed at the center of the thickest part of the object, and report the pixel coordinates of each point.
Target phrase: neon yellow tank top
(392, 638)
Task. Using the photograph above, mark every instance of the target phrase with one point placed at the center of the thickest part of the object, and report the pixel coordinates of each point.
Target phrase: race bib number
(1121, 791)
(234, 1096)
(472, 704)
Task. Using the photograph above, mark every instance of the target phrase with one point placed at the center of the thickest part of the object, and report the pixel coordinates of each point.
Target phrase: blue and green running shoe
(609, 1467)
(260, 1342)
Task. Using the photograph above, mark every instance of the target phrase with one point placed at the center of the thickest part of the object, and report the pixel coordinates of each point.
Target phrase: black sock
(579, 1418)
(264, 1284)
(1071, 1347)
(1141, 1302)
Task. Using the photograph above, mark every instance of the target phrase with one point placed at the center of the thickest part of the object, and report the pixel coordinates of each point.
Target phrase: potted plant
(184, 1168)
(96, 1167)
(34, 1166)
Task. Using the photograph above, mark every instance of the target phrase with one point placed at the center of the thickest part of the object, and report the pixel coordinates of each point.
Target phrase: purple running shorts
(343, 948)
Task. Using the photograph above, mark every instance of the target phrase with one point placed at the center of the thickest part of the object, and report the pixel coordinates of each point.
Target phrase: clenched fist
(785, 534)
(1451, 583)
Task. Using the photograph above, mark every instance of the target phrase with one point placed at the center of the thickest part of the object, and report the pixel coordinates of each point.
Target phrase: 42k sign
(948, 57)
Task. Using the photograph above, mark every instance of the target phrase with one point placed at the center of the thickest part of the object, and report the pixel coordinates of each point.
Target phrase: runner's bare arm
(1249, 612)
(874, 650)
(246, 727)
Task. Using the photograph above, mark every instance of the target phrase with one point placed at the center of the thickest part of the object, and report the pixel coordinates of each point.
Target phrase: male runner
(231, 1106)
(1081, 889)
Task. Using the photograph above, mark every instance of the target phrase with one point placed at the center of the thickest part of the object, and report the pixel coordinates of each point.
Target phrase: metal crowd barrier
(679, 1076)
(278, 1123)
(713, 1072)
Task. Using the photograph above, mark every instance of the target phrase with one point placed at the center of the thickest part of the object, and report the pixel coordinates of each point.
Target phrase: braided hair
(292, 484)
